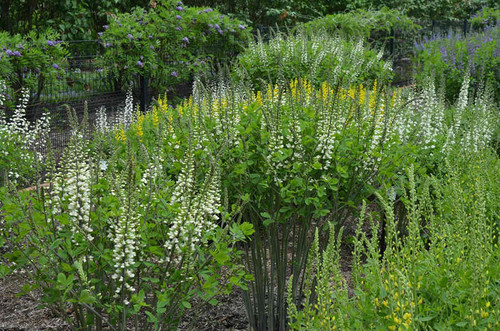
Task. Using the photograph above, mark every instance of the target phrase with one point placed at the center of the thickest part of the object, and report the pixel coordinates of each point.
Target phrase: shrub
(30, 61)
(370, 25)
(318, 57)
(487, 16)
(124, 240)
(168, 43)
(21, 142)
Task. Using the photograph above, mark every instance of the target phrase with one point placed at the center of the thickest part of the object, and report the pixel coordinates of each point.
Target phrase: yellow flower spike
(392, 327)
(488, 304)
(407, 316)
(258, 98)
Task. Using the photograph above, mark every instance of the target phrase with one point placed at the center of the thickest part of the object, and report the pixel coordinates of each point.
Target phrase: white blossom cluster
(29, 139)
(124, 237)
(71, 192)
(125, 117)
(197, 210)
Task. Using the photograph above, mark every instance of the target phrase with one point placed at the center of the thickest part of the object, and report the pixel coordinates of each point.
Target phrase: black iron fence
(86, 80)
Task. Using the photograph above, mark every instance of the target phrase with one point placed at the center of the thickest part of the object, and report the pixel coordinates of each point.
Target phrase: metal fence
(88, 81)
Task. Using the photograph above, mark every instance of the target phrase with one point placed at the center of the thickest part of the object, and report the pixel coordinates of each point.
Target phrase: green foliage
(450, 58)
(75, 20)
(31, 60)
(485, 17)
(319, 57)
(168, 43)
(440, 273)
(363, 24)
(125, 239)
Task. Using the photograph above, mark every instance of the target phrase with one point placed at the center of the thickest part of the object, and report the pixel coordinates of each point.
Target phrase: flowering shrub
(123, 241)
(449, 58)
(21, 143)
(487, 16)
(168, 43)
(318, 57)
(29, 61)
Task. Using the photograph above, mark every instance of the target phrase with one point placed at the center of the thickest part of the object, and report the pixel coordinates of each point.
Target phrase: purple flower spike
(179, 8)
(105, 27)
(178, 28)
(129, 36)
(179, 17)
(242, 27)
(55, 66)
(17, 54)
(186, 40)
(179, 3)
(150, 37)
(51, 43)
(175, 74)
(99, 34)
(107, 45)
(220, 31)
(152, 48)
(140, 64)
(208, 10)
(20, 46)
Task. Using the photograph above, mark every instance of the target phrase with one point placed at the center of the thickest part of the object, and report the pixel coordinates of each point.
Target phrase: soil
(24, 313)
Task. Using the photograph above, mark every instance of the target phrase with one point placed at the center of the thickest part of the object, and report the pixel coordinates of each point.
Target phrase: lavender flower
(178, 28)
(130, 37)
(242, 27)
(105, 27)
(208, 10)
(55, 66)
(51, 43)
(107, 45)
(140, 64)
(179, 8)
(20, 46)
(179, 3)
(186, 40)
(9, 52)
(211, 26)
(17, 54)
(179, 17)
(152, 48)
(217, 26)
(175, 74)
(99, 34)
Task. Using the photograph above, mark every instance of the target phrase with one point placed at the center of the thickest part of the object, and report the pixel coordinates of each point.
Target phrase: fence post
(433, 27)
(465, 27)
(391, 45)
(144, 92)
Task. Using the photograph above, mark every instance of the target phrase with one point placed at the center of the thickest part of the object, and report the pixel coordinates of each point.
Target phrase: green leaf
(61, 278)
(86, 297)
(186, 304)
